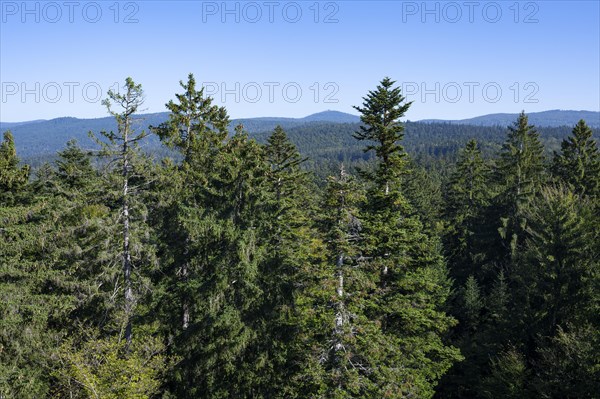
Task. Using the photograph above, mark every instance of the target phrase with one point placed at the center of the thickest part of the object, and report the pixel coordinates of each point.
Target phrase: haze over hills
(544, 118)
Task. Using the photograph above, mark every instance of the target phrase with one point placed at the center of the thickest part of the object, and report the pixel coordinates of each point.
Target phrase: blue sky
(280, 58)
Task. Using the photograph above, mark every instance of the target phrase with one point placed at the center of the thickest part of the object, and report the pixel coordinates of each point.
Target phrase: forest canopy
(239, 266)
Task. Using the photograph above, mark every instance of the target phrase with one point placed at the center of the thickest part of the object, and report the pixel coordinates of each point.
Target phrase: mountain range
(43, 138)
(70, 124)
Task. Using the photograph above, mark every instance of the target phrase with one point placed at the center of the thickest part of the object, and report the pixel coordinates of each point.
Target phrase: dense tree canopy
(238, 266)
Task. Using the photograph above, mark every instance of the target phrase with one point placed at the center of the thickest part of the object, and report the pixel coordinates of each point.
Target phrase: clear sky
(282, 58)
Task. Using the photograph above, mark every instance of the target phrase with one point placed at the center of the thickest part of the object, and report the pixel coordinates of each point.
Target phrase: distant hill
(332, 116)
(321, 137)
(327, 144)
(7, 125)
(45, 137)
(545, 118)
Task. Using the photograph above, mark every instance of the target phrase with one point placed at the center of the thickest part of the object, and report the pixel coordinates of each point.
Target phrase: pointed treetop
(380, 114)
(578, 163)
(193, 119)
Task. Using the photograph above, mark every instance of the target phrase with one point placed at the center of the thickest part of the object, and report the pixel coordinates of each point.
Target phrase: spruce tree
(12, 177)
(578, 163)
(408, 273)
(559, 276)
(214, 226)
(24, 312)
(520, 173)
(218, 349)
(287, 252)
(382, 130)
(466, 196)
(345, 352)
(195, 126)
(74, 169)
(82, 237)
(335, 328)
(127, 174)
(197, 129)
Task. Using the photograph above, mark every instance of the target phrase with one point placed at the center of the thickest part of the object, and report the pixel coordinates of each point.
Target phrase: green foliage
(225, 240)
(537, 278)
(25, 311)
(407, 275)
(247, 275)
(508, 376)
(194, 125)
(12, 177)
(520, 173)
(578, 163)
(568, 364)
(288, 239)
(336, 326)
(127, 172)
(561, 267)
(382, 108)
(467, 195)
(74, 169)
(472, 302)
(100, 368)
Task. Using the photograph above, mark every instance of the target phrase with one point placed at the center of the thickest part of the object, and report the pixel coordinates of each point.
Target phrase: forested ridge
(325, 143)
(266, 266)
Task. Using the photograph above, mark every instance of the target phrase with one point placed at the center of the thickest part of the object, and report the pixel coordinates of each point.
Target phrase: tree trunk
(126, 250)
(185, 307)
(339, 317)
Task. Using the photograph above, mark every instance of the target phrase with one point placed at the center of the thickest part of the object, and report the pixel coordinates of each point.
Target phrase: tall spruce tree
(408, 272)
(128, 172)
(287, 252)
(197, 129)
(218, 349)
(345, 351)
(578, 163)
(520, 173)
(213, 227)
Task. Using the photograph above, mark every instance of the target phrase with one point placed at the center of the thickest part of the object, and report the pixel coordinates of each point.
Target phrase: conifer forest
(237, 268)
